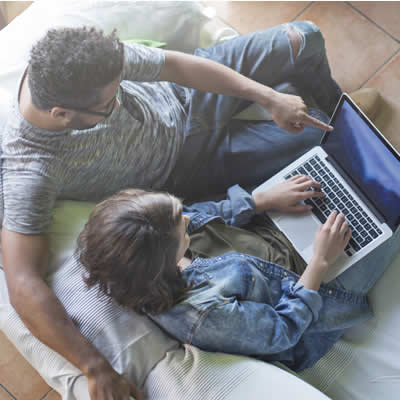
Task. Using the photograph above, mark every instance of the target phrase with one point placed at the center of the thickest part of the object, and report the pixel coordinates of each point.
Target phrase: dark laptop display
(372, 164)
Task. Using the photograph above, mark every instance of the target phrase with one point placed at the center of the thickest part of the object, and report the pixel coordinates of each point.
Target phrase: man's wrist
(95, 366)
(260, 94)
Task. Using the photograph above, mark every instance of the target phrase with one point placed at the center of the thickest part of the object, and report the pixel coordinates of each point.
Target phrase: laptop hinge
(360, 194)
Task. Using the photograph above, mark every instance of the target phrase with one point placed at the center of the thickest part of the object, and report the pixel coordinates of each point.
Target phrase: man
(93, 116)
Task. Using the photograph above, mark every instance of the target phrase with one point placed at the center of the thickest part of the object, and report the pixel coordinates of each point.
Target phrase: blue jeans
(363, 275)
(219, 151)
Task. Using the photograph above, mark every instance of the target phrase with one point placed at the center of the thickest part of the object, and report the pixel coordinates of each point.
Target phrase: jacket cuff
(311, 298)
(242, 204)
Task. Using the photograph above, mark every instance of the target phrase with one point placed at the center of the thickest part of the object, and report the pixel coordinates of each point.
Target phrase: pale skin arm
(331, 238)
(288, 111)
(25, 259)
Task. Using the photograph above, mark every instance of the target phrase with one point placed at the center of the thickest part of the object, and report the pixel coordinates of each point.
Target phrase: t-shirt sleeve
(29, 201)
(142, 63)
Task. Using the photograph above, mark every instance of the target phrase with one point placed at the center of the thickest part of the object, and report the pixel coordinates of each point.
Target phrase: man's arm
(25, 260)
(210, 76)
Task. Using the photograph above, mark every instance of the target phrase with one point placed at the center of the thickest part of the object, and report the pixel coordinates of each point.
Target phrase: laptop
(359, 171)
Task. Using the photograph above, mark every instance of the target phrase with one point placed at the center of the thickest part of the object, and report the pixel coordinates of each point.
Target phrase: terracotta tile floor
(11, 9)
(363, 46)
(361, 37)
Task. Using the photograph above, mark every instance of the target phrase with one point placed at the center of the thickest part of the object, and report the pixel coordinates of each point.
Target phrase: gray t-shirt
(137, 146)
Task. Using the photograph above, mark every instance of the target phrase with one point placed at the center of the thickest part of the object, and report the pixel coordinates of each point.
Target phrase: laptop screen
(356, 145)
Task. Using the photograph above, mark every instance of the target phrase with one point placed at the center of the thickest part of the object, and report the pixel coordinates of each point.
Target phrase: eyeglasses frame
(96, 113)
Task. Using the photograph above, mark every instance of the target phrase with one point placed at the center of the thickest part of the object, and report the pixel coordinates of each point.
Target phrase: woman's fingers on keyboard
(339, 221)
(331, 219)
(347, 236)
(345, 228)
(300, 178)
(305, 182)
(307, 194)
(310, 185)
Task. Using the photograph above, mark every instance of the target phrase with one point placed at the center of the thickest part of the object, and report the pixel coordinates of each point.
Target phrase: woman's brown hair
(129, 247)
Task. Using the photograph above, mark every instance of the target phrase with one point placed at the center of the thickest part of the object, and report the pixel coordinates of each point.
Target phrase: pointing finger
(311, 121)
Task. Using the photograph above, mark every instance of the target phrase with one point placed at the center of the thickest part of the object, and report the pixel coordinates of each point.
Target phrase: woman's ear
(187, 219)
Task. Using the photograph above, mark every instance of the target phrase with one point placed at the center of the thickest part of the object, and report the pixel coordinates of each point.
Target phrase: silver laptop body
(359, 171)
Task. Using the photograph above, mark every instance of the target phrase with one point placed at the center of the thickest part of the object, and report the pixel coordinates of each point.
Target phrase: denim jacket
(245, 305)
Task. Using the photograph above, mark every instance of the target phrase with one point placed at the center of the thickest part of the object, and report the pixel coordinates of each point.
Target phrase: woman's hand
(331, 239)
(286, 196)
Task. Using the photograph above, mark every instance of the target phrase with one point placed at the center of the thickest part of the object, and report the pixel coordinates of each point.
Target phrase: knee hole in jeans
(296, 40)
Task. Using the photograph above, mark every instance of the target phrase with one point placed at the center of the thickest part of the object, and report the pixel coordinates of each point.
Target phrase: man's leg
(296, 40)
(251, 153)
(293, 52)
(313, 77)
(270, 57)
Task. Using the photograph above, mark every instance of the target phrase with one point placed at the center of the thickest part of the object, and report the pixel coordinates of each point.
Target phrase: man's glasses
(98, 113)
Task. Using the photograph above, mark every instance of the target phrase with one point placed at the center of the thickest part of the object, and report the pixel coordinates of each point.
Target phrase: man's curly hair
(70, 66)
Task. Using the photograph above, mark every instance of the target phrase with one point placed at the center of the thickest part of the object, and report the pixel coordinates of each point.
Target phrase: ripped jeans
(219, 151)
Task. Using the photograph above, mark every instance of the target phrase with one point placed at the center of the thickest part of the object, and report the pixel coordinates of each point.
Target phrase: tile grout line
(45, 395)
(303, 10)
(240, 33)
(2, 386)
(372, 21)
(205, 4)
(228, 24)
(381, 67)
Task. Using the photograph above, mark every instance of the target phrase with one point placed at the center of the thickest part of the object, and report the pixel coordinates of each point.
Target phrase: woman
(235, 290)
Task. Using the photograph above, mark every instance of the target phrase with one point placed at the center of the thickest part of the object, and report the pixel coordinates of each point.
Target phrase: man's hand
(106, 384)
(25, 263)
(285, 196)
(290, 113)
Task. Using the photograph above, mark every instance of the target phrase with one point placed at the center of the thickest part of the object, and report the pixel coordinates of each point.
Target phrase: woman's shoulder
(219, 276)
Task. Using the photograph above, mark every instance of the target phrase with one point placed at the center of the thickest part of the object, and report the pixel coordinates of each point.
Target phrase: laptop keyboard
(364, 230)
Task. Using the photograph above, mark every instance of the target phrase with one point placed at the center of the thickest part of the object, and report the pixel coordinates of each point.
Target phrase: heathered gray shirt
(137, 146)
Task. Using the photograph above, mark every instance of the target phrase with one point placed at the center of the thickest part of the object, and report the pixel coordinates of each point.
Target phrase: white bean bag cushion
(184, 26)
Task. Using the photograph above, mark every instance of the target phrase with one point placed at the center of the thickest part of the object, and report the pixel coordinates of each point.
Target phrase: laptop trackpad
(300, 229)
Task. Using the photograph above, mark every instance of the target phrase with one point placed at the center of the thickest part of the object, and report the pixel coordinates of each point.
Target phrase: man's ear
(61, 115)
